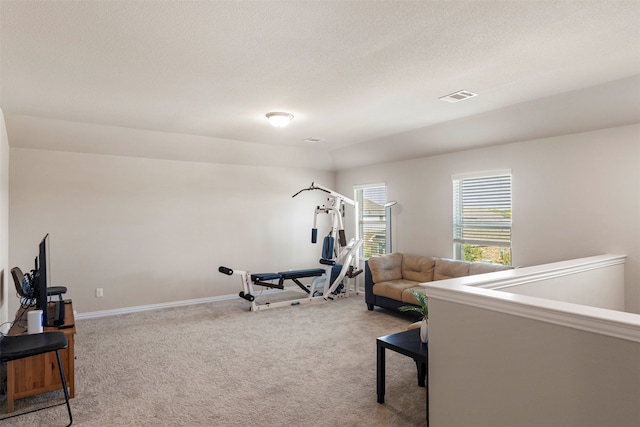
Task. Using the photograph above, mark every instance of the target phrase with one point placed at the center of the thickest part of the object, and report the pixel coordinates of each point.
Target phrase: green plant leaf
(423, 302)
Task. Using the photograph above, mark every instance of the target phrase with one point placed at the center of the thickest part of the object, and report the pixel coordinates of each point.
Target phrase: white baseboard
(139, 308)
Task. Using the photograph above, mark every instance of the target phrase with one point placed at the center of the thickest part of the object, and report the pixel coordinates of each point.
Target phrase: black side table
(409, 344)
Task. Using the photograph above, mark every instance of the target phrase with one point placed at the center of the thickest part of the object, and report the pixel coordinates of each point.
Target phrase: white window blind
(482, 210)
(372, 224)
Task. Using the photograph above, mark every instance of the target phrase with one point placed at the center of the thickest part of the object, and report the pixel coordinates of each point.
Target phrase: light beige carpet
(220, 365)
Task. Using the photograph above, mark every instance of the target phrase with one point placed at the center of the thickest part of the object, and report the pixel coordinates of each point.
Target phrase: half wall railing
(543, 345)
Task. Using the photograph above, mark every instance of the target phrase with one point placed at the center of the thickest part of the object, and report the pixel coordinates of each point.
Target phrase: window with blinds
(482, 217)
(372, 223)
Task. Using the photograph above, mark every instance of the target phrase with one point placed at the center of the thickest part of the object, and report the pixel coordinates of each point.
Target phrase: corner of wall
(4, 220)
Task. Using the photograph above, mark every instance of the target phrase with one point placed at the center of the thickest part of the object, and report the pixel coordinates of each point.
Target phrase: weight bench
(319, 289)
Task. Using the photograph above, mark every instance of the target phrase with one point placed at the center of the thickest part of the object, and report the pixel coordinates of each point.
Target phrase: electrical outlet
(99, 293)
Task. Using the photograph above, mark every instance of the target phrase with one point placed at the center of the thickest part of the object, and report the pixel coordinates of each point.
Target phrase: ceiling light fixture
(312, 140)
(279, 120)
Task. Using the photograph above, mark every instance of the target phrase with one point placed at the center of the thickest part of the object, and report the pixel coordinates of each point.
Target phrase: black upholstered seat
(21, 346)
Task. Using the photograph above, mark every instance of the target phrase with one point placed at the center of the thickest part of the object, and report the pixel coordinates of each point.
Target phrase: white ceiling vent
(460, 95)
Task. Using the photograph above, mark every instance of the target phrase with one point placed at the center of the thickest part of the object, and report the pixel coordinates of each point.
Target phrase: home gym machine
(338, 262)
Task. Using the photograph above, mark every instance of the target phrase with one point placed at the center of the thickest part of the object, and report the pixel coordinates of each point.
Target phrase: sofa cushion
(448, 269)
(392, 288)
(418, 268)
(485, 267)
(385, 268)
(407, 295)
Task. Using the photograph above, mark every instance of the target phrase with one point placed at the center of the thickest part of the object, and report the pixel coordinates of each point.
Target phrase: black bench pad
(301, 274)
(288, 275)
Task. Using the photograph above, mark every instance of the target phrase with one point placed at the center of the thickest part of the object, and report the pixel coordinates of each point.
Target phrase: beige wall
(503, 370)
(152, 231)
(6, 282)
(155, 231)
(573, 196)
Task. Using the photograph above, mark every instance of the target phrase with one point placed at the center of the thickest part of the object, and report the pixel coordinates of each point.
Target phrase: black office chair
(21, 346)
(18, 277)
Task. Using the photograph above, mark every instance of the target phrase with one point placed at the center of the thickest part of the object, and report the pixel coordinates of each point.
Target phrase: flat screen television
(42, 274)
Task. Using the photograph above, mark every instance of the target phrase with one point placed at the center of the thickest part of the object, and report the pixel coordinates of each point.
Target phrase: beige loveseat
(389, 279)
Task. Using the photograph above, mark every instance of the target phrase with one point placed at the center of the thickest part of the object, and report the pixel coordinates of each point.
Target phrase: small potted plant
(423, 309)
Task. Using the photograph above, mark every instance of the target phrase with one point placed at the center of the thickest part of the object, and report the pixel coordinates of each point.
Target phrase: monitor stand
(56, 314)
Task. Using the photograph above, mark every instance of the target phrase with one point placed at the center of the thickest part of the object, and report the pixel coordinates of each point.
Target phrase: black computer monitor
(42, 282)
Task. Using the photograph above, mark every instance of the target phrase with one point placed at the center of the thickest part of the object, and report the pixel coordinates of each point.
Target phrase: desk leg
(422, 369)
(380, 373)
(11, 385)
(71, 380)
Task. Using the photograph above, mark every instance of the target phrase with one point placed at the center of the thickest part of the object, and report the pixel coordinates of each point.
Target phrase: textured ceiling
(193, 80)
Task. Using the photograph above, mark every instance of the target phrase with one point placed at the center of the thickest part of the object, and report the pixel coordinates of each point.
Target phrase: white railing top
(483, 291)
(507, 278)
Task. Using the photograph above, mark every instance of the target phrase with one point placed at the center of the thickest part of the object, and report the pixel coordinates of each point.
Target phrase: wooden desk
(39, 374)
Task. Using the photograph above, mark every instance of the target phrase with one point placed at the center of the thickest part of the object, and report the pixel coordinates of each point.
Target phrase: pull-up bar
(315, 186)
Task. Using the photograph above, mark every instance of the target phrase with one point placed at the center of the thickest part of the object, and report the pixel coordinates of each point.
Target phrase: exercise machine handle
(225, 270)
